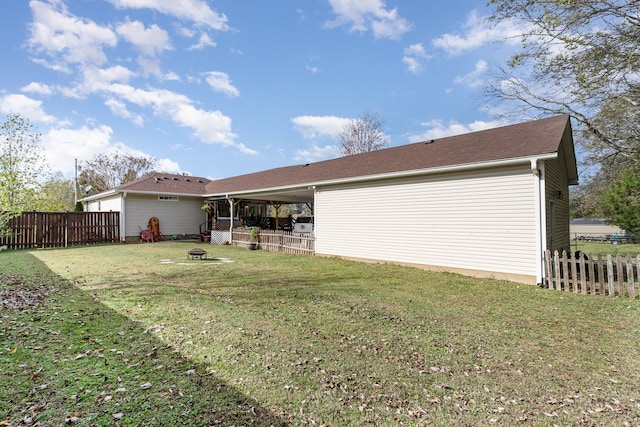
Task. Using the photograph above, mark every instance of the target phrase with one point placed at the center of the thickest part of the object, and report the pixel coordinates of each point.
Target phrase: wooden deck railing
(278, 241)
(593, 274)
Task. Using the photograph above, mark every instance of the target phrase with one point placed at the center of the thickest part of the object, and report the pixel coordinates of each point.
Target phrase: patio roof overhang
(281, 196)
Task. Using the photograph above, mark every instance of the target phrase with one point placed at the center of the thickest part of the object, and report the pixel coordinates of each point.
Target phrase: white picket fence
(593, 274)
(278, 241)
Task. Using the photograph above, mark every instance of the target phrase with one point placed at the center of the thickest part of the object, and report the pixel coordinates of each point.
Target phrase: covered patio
(278, 214)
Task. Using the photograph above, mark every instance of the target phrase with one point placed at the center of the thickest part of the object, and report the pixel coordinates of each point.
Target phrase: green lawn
(605, 248)
(138, 335)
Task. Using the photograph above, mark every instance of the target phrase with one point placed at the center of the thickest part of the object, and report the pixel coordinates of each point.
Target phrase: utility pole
(75, 183)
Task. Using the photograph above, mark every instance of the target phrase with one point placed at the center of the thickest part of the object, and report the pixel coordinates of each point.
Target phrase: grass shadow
(66, 358)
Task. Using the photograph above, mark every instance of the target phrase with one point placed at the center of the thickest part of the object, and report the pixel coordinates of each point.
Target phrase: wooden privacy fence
(278, 241)
(61, 229)
(594, 275)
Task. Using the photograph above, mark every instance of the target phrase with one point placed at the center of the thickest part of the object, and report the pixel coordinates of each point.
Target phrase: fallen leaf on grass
(145, 386)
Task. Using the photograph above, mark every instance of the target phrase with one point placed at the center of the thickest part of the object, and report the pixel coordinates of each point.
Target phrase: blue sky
(222, 88)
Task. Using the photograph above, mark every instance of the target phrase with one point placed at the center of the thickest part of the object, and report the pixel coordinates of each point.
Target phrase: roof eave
(401, 174)
(146, 193)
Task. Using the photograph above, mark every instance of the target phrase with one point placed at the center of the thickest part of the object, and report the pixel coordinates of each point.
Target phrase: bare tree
(363, 134)
(105, 172)
(581, 58)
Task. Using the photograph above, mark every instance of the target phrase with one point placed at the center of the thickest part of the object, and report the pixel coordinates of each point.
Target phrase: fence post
(610, 282)
(601, 279)
(620, 274)
(583, 274)
(592, 277)
(556, 261)
(547, 262)
(638, 271)
(630, 284)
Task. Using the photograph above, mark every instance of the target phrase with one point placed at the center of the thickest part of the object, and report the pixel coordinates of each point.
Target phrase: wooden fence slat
(583, 273)
(593, 275)
(638, 271)
(61, 229)
(610, 281)
(549, 272)
(620, 275)
(601, 281)
(630, 285)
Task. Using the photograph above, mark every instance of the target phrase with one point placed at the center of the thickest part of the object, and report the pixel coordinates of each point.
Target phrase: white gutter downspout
(123, 238)
(541, 217)
(315, 222)
(231, 214)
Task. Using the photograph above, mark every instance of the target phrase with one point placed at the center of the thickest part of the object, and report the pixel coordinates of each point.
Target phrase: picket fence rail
(278, 241)
(590, 274)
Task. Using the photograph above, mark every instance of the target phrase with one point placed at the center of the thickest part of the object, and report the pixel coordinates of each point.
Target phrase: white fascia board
(99, 195)
(262, 192)
(403, 174)
(160, 193)
(146, 193)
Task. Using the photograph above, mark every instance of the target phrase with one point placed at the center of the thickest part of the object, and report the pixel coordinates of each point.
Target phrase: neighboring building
(486, 203)
(176, 200)
(593, 229)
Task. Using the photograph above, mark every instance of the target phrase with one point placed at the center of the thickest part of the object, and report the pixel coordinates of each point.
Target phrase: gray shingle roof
(534, 138)
(524, 140)
(167, 184)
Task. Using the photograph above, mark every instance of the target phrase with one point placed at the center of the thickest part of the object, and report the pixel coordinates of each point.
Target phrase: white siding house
(179, 216)
(485, 203)
(477, 220)
(175, 200)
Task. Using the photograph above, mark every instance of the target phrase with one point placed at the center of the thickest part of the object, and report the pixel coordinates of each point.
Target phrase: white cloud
(63, 145)
(440, 129)
(220, 82)
(26, 107)
(413, 56)
(56, 33)
(192, 10)
(211, 127)
(316, 153)
(37, 88)
(477, 33)
(168, 166)
(473, 79)
(119, 109)
(311, 127)
(150, 41)
(203, 42)
(150, 66)
(311, 66)
(96, 80)
(413, 65)
(365, 15)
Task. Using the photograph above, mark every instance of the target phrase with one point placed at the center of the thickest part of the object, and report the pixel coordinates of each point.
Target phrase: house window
(168, 198)
(224, 210)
